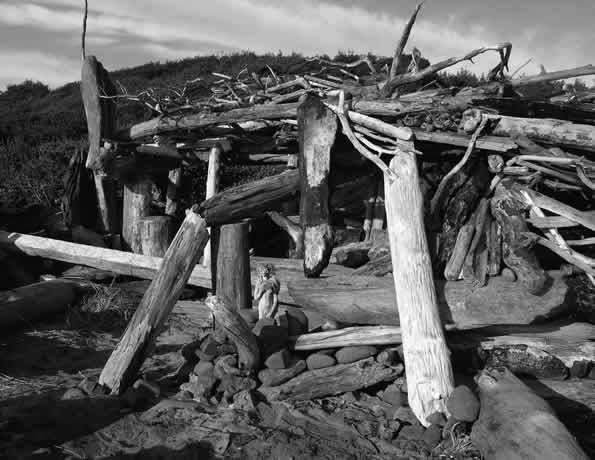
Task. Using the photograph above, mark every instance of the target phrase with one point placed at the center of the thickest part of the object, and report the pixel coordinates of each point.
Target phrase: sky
(40, 39)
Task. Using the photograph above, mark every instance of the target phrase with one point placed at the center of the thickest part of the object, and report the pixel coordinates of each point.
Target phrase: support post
(317, 127)
(230, 265)
(212, 189)
(379, 212)
(155, 306)
(427, 358)
(156, 232)
(174, 179)
(137, 202)
(107, 204)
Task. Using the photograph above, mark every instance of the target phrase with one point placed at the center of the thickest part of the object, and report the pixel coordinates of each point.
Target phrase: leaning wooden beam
(123, 263)
(250, 200)
(317, 131)
(585, 218)
(139, 337)
(238, 332)
(557, 221)
(25, 305)
(402, 42)
(551, 76)
(426, 356)
(548, 131)
(346, 299)
(330, 381)
(515, 423)
(166, 123)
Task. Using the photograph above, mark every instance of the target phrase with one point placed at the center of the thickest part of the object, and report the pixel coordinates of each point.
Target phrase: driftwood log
(156, 232)
(517, 254)
(317, 131)
(515, 423)
(230, 265)
(158, 301)
(330, 381)
(100, 112)
(238, 332)
(371, 300)
(25, 305)
(213, 179)
(427, 359)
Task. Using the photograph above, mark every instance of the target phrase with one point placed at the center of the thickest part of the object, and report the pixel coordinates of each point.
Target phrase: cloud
(179, 28)
(50, 69)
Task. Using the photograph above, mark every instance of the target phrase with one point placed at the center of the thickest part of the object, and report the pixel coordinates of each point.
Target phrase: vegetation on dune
(41, 128)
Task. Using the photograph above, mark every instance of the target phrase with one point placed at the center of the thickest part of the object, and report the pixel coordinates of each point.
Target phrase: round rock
(463, 404)
(319, 361)
(351, 354)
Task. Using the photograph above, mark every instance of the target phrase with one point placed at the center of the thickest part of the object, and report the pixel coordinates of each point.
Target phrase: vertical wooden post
(174, 179)
(317, 127)
(379, 212)
(212, 189)
(156, 234)
(155, 306)
(137, 203)
(107, 204)
(230, 265)
(369, 217)
(427, 362)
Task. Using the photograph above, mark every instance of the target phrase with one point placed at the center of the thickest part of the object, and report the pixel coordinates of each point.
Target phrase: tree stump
(155, 306)
(427, 358)
(230, 265)
(156, 233)
(137, 203)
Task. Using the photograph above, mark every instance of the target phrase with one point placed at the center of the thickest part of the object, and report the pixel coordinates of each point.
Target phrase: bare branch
(402, 42)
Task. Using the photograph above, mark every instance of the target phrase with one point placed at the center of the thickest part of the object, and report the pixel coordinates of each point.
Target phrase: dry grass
(107, 308)
(458, 447)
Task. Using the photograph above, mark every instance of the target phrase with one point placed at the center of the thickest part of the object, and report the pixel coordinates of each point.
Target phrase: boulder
(351, 354)
(320, 360)
(463, 404)
(278, 360)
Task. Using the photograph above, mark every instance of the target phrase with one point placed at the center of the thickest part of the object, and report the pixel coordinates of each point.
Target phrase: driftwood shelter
(461, 200)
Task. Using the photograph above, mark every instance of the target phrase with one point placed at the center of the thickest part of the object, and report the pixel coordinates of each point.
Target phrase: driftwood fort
(430, 230)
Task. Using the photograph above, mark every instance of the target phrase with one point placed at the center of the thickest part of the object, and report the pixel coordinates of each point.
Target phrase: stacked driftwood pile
(455, 191)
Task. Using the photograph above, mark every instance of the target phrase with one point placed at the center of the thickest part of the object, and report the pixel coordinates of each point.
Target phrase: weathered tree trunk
(330, 381)
(212, 190)
(24, 306)
(317, 130)
(156, 233)
(156, 304)
(100, 112)
(231, 265)
(548, 131)
(137, 204)
(427, 360)
(515, 423)
(516, 252)
(250, 200)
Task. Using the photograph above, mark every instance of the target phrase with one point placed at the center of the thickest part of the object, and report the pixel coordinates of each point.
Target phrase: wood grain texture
(330, 381)
(317, 126)
(238, 332)
(137, 204)
(156, 232)
(155, 306)
(427, 359)
(508, 209)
